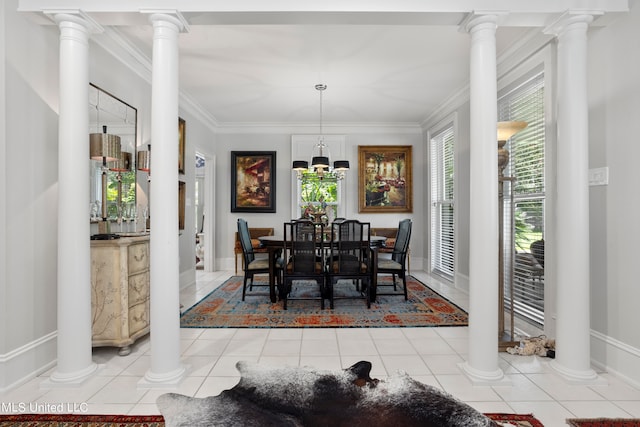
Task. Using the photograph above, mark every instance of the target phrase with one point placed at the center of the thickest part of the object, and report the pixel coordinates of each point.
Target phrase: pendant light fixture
(106, 148)
(320, 162)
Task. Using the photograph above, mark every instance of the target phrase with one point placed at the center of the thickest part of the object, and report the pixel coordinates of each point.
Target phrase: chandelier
(320, 163)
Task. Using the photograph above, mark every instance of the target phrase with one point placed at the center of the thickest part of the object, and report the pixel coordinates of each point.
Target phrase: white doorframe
(209, 227)
(210, 209)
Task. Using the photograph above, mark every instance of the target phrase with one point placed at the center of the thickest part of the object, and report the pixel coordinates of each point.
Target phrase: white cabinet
(119, 291)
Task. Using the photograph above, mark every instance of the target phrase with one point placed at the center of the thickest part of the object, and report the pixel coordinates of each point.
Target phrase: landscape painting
(384, 178)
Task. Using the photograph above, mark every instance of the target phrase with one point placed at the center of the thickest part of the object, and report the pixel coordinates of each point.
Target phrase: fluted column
(482, 361)
(166, 367)
(573, 349)
(74, 362)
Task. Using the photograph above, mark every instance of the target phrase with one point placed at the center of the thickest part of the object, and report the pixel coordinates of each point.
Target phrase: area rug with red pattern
(80, 420)
(74, 420)
(604, 422)
(224, 308)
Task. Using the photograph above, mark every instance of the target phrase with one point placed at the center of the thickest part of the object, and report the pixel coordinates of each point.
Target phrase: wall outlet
(599, 176)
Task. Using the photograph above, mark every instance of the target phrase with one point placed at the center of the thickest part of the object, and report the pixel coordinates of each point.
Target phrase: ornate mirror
(110, 115)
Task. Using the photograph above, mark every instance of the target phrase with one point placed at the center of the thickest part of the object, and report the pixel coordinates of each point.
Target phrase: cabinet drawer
(138, 288)
(138, 317)
(138, 258)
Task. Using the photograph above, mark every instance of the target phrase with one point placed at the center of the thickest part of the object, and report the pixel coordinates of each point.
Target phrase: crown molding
(312, 128)
(112, 41)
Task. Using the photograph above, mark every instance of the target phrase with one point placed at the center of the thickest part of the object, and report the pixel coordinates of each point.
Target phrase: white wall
(614, 111)
(28, 192)
(29, 160)
(196, 134)
(28, 284)
(614, 108)
(281, 142)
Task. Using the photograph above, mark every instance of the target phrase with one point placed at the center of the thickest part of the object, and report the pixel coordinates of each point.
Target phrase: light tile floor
(430, 355)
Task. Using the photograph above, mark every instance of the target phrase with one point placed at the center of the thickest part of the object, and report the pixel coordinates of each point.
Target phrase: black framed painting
(253, 181)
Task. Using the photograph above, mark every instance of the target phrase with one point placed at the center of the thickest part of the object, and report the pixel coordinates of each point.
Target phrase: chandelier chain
(321, 88)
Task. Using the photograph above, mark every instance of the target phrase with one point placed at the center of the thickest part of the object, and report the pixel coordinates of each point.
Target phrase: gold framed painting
(384, 179)
(182, 197)
(181, 144)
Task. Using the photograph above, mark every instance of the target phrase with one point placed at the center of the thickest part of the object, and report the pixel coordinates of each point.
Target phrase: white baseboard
(187, 278)
(462, 282)
(615, 357)
(228, 264)
(28, 361)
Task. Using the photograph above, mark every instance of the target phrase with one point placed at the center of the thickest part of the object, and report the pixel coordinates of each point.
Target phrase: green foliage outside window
(318, 196)
(128, 191)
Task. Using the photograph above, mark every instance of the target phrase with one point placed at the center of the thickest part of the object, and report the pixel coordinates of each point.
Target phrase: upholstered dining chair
(252, 264)
(350, 258)
(396, 265)
(303, 249)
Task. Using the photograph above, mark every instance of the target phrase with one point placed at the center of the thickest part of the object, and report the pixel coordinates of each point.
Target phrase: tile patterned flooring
(430, 355)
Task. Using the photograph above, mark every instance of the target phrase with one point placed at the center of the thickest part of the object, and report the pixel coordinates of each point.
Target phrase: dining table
(275, 245)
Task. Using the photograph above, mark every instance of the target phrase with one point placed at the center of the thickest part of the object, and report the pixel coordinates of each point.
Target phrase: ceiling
(384, 62)
(266, 73)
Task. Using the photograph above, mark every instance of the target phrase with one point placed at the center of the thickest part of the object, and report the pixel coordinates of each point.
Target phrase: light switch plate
(599, 176)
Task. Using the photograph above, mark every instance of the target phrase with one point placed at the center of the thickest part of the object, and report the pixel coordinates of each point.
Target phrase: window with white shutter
(524, 233)
(442, 203)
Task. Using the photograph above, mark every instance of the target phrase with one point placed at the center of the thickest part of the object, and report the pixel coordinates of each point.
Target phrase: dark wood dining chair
(302, 250)
(396, 265)
(350, 258)
(253, 265)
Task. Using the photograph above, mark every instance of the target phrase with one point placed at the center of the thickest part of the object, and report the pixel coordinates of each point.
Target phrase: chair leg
(330, 292)
(368, 294)
(282, 288)
(244, 287)
(284, 297)
(404, 282)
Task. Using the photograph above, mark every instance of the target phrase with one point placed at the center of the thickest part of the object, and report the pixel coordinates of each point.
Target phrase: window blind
(442, 203)
(524, 232)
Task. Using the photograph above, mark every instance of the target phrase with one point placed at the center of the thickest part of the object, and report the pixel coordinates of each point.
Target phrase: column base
(574, 377)
(169, 379)
(478, 377)
(71, 379)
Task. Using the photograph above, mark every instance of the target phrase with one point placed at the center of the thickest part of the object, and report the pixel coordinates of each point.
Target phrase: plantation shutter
(526, 165)
(442, 203)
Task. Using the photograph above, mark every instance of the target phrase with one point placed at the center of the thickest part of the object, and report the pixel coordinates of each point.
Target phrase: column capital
(571, 19)
(476, 18)
(75, 16)
(171, 16)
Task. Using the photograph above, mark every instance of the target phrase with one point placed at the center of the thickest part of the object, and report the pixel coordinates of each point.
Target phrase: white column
(165, 255)
(573, 354)
(482, 363)
(74, 257)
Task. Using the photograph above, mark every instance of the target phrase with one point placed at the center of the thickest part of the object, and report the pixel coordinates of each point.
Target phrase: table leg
(374, 273)
(272, 273)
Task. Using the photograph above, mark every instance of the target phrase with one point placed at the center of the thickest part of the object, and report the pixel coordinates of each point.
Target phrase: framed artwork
(384, 178)
(182, 188)
(181, 144)
(253, 181)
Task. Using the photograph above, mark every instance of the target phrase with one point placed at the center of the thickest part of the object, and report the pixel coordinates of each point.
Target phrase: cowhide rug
(292, 396)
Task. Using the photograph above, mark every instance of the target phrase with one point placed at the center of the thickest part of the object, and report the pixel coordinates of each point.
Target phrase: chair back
(303, 246)
(245, 240)
(401, 245)
(537, 250)
(350, 245)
